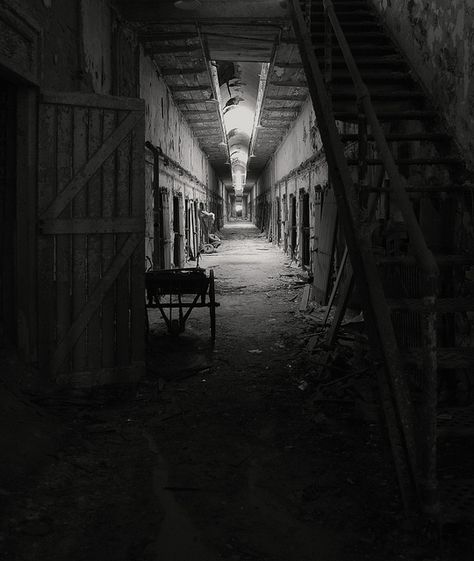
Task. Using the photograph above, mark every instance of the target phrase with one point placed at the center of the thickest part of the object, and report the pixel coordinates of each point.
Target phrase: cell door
(91, 245)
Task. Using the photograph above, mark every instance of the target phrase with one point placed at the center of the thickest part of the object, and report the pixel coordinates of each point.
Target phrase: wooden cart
(165, 290)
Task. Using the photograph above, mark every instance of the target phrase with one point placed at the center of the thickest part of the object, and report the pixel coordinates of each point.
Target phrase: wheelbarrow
(181, 290)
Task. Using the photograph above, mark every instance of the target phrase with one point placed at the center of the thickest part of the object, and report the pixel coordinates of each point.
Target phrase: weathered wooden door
(91, 238)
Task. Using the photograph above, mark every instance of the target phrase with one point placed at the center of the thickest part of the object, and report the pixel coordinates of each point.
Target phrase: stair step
(355, 23)
(371, 77)
(389, 61)
(411, 161)
(343, 4)
(457, 500)
(389, 116)
(449, 358)
(356, 36)
(443, 305)
(447, 189)
(345, 14)
(401, 137)
(455, 421)
(389, 96)
(366, 49)
(442, 260)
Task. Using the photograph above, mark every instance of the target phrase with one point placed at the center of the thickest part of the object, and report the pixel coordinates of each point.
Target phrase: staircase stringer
(396, 399)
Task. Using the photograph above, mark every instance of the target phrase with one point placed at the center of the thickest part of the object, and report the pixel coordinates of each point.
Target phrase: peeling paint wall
(297, 167)
(166, 127)
(437, 36)
(97, 33)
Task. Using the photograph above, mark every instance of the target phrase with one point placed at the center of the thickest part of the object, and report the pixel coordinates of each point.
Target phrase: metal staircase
(386, 146)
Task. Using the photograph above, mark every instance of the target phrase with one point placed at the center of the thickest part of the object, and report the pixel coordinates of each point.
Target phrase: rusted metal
(377, 313)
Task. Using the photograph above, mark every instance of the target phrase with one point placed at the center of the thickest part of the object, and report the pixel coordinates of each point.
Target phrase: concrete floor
(220, 453)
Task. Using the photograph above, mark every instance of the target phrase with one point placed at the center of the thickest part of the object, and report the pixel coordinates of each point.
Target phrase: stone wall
(438, 39)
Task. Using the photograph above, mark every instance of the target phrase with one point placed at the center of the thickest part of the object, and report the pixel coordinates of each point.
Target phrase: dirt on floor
(242, 450)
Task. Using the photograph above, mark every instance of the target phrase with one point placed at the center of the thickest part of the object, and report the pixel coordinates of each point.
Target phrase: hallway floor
(220, 454)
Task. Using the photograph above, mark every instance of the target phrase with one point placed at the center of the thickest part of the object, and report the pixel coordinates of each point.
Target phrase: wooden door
(91, 241)
(327, 241)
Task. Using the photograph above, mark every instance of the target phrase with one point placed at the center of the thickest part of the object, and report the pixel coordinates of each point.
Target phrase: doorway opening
(305, 231)
(177, 232)
(293, 232)
(8, 224)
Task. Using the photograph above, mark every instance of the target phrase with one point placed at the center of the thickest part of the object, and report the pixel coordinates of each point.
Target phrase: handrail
(379, 321)
(426, 258)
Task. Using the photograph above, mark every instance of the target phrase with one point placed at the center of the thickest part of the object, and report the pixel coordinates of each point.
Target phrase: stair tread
(457, 304)
(448, 357)
(455, 421)
(441, 259)
(389, 96)
(400, 137)
(398, 115)
(410, 161)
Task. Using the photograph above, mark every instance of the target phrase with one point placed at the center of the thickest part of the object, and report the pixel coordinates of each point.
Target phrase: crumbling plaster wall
(298, 164)
(166, 127)
(437, 36)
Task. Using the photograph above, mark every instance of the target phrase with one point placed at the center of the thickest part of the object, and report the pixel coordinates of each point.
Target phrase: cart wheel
(212, 304)
(208, 248)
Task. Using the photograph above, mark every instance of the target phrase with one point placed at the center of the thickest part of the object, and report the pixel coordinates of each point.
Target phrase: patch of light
(240, 118)
(238, 207)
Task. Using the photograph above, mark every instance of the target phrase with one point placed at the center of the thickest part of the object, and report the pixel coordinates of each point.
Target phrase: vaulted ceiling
(189, 46)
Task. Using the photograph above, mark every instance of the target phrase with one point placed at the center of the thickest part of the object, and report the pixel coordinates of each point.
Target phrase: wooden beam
(193, 101)
(178, 71)
(197, 88)
(298, 98)
(286, 110)
(289, 83)
(90, 168)
(289, 65)
(170, 36)
(151, 48)
(92, 225)
(191, 112)
(95, 298)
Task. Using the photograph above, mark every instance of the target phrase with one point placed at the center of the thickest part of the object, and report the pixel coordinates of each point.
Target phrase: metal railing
(395, 389)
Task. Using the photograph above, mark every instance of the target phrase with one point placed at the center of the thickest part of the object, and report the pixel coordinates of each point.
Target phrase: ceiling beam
(286, 110)
(192, 101)
(191, 112)
(195, 88)
(163, 36)
(289, 83)
(152, 49)
(289, 65)
(178, 71)
(298, 98)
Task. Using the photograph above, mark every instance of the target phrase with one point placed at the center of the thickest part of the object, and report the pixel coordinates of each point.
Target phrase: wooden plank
(94, 241)
(79, 243)
(122, 209)
(325, 254)
(344, 295)
(305, 298)
(89, 100)
(63, 243)
(137, 266)
(120, 261)
(177, 71)
(336, 286)
(109, 302)
(94, 225)
(46, 192)
(27, 257)
(93, 164)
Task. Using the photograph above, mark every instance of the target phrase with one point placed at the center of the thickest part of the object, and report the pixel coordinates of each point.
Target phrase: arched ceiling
(193, 49)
